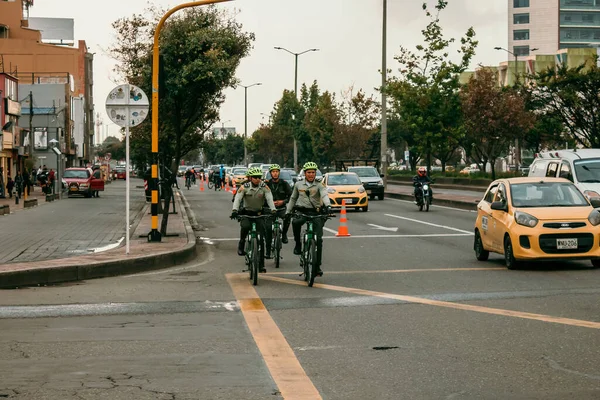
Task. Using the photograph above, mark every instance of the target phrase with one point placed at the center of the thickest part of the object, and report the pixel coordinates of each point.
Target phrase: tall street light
(384, 96)
(296, 93)
(246, 119)
(155, 235)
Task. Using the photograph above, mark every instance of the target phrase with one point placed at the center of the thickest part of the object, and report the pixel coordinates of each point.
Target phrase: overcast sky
(347, 32)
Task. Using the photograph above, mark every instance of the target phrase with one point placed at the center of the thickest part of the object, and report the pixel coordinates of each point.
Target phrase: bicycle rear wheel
(211, 185)
(276, 246)
(254, 261)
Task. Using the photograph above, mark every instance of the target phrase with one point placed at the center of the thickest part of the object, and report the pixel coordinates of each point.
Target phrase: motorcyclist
(281, 191)
(420, 179)
(309, 197)
(253, 194)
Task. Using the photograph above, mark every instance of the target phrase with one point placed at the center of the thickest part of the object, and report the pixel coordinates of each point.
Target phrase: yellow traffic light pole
(154, 235)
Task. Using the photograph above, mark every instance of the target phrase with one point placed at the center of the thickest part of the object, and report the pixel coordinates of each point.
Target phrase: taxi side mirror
(595, 201)
(499, 205)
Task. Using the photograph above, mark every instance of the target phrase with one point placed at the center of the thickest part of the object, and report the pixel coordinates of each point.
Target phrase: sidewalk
(59, 242)
(36, 193)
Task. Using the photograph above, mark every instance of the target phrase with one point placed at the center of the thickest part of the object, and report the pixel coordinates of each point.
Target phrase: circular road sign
(127, 105)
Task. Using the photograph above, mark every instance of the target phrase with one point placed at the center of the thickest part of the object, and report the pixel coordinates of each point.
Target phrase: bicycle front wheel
(211, 185)
(254, 261)
(277, 246)
(309, 270)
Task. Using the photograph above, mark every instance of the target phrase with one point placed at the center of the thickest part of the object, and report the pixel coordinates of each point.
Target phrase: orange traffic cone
(202, 185)
(343, 228)
(234, 191)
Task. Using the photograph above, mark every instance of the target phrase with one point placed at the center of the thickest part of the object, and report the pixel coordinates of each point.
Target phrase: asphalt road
(404, 311)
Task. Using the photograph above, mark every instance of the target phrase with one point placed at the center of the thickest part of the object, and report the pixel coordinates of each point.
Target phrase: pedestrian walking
(10, 184)
(51, 178)
(19, 183)
(2, 189)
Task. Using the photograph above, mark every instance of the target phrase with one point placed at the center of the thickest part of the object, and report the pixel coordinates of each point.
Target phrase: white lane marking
(107, 247)
(425, 235)
(383, 228)
(329, 230)
(211, 258)
(436, 206)
(430, 224)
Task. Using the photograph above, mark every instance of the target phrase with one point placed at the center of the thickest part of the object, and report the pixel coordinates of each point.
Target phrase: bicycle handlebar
(298, 214)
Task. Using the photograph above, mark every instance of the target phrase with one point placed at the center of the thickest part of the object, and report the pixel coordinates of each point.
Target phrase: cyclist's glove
(273, 212)
(234, 214)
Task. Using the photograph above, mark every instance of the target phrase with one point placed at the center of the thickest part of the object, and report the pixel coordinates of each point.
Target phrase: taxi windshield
(588, 170)
(239, 171)
(546, 194)
(343, 179)
(77, 174)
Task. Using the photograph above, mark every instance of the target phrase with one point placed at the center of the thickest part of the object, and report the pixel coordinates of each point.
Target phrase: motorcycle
(423, 195)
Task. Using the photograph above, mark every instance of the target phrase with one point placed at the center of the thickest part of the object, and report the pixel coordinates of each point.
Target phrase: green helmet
(310, 165)
(254, 172)
(274, 166)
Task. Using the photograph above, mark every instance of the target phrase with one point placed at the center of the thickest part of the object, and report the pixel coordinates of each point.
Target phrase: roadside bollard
(17, 199)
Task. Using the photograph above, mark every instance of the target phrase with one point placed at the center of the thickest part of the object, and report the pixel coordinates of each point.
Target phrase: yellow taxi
(238, 175)
(537, 219)
(346, 186)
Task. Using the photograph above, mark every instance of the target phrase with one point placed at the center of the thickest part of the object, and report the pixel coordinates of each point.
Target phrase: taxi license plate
(73, 189)
(348, 201)
(565, 244)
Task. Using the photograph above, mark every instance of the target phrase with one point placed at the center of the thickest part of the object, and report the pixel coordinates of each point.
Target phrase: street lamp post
(154, 235)
(296, 93)
(246, 119)
(384, 97)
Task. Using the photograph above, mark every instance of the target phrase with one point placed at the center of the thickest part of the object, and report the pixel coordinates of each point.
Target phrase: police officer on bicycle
(309, 197)
(281, 191)
(253, 194)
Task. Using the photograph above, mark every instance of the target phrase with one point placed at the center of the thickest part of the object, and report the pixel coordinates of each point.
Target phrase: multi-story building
(551, 25)
(42, 51)
(11, 140)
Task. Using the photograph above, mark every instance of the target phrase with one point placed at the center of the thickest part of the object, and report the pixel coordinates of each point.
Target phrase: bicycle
(308, 260)
(188, 182)
(252, 247)
(276, 244)
(210, 184)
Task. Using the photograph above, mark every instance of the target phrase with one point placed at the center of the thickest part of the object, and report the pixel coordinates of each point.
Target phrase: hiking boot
(284, 239)
(319, 271)
(268, 255)
(262, 269)
(298, 249)
(241, 251)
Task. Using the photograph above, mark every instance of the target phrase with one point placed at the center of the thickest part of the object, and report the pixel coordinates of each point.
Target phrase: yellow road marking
(459, 306)
(393, 271)
(288, 374)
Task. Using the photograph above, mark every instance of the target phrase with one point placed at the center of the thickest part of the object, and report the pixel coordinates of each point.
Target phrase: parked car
(346, 186)
(537, 219)
(371, 180)
(83, 181)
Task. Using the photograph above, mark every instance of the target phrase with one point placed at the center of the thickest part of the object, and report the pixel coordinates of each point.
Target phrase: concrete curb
(463, 205)
(40, 275)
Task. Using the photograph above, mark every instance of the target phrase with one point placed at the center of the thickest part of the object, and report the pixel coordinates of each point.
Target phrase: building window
(587, 18)
(521, 34)
(521, 51)
(520, 3)
(521, 19)
(3, 32)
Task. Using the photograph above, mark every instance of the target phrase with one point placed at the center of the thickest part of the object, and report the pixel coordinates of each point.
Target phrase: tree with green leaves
(571, 96)
(359, 122)
(494, 116)
(425, 96)
(322, 122)
(200, 48)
